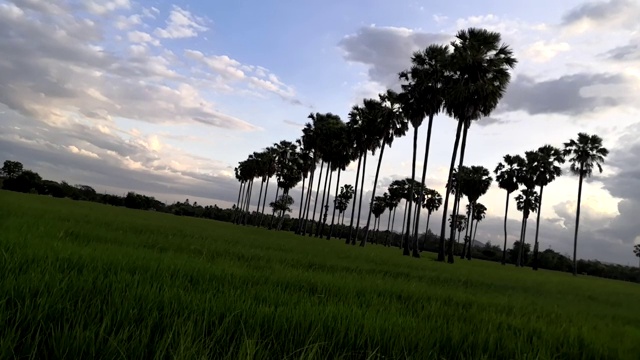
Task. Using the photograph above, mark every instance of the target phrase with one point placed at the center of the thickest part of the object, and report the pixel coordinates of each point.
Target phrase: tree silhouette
(478, 76)
(507, 178)
(584, 154)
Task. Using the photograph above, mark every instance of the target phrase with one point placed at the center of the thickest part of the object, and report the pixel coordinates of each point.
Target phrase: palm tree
(281, 205)
(342, 202)
(341, 157)
(527, 202)
(270, 159)
(286, 158)
(357, 140)
(478, 76)
(479, 213)
(377, 208)
(585, 153)
(549, 158)
(396, 194)
(473, 182)
(371, 139)
(636, 250)
(432, 202)
(424, 97)
(459, 222)
(389, 126)
(309, 144)
(507, 178)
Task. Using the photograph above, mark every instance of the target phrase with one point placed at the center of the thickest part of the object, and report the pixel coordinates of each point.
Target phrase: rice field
(88, 281)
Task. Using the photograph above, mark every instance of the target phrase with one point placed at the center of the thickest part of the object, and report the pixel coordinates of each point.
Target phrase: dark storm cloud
(600, 11)
(386, 50)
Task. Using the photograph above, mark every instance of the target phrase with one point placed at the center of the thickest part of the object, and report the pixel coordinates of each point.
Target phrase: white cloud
(127, 22)
(542, 51)
(142, 37)
(104, 7)
(181, 24)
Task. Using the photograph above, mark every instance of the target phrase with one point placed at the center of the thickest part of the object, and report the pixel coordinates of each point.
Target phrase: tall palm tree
(371, 139)
(341, 157)
(432, 202)
(320, 137)
(390, 125)
(527, 202)
(507, 178)
(424, 88)
(342, 202)
(396, 193)
(548, 168)
(309, 144)
(286, 158)
(270, 160)
(478, 75)
(479, 213)
(378, 207)
(473, 182)
(357, 140)
(585, 154)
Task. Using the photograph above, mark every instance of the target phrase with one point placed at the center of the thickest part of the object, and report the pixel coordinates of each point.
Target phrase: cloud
(142, 37)
(386, 51)
(569, 94)
(603, 13)
(104, 7)
(181, 24)
(51, 75)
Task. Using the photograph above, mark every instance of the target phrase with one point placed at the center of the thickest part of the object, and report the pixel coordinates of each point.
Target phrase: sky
(165, 98)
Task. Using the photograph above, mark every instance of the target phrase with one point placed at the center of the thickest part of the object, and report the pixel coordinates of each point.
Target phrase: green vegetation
(85, 280)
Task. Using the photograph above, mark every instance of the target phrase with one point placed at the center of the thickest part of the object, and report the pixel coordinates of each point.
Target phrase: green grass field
(82, 280)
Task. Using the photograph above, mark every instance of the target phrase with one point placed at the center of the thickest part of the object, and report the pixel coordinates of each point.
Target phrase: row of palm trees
(465, 79)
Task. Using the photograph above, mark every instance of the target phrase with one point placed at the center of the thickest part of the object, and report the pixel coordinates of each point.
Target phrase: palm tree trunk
(324, 208)
(364, 171)
(304, 178)
(264, 201)
(273, 212)
(413, 178)
(473, 240)
(315, 203)
(240, 193)
(426, 229)
(373, 194)
(303, 228)
(575, 236)
(246, 216)
(285, 192)
(424, 169)
(393, 222)
(334, 206)
(456, 202)
(524, 237)
(504, 248)
(386, 240)
(467, 236)
(535, 244)
(404, 222)
(259, 199)
(443, 228)
(353, 204)
(519, 261)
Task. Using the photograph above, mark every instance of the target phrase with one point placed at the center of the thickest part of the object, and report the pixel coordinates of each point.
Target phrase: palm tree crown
(585, 154)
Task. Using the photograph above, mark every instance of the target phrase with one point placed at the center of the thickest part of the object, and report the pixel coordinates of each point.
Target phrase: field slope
(82, 280)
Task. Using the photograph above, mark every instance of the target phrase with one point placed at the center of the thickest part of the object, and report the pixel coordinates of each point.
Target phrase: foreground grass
(82, 280)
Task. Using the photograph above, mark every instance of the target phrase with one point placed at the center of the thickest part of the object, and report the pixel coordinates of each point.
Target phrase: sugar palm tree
(636, 251)
(286, 154)
(507, 178)
(478, 75)
(547, 170)
(373, 138)
(459, 222)
(424, 97)
(584, 154)
(390, 125)
(343, 199)
(238, 175)
(391, 205)
(358, 141)
(270, 157)
(473, 182)
(432, 202)
(396, 192)
(309, 144)
(377, 208)
(527, 202)
(479, 213)
(342, 156)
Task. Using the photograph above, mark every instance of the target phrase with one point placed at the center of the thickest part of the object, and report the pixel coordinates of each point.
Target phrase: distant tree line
(14, 177)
